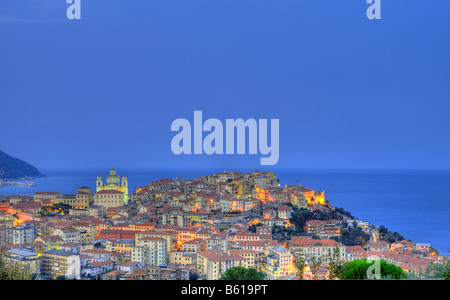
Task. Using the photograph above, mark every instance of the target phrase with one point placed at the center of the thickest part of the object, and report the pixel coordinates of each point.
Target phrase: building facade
(115, 183)
(61, 263)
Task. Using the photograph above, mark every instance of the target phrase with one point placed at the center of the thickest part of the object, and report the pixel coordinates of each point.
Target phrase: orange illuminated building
(263, 195)
(4, 205)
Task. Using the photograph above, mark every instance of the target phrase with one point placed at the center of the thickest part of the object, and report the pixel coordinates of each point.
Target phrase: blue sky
(103, 90)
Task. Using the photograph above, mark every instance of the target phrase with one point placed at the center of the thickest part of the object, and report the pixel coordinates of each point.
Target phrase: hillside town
(192, 229)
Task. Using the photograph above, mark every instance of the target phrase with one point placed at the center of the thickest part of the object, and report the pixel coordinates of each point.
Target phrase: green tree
(62, 208)
(193, 275)
(253, 274)
(389, 236)
(45, 210)
(353, 237)
(446, 273)
(241, 273)
(10, 270)
(300, 264)
(314, 267)
(335, 266)
(359, 269)
(382, 230)
(437, 270)
(341, 211)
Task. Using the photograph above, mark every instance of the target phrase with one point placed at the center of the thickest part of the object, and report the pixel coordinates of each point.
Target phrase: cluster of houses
(179, 229)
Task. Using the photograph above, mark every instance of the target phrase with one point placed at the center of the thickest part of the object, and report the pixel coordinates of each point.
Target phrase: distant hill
(14, 168)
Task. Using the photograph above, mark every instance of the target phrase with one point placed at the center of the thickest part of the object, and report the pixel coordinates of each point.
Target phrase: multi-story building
(96, 268)
(298, 199)
(68, 234)
(252, 245)
(181, 220)
(322, 227)
(124, 246)
(242, 204)
(118, 234)
(25, 258)
(69, 199)
(90, 229)
(45, 196)
(83, 197)
(3, 226)
(285, 212)
(171, 238)
(217, 241)
(377, 246)
(186, 234)
(163, 272)
(315, 226)
(202, 260)
(242, 236)
(318, 248)
(144, 226)
(141, 255)
(113, 183)
(195, 245)
(157, 249)
(111, 212)
(60, 263)
(33, 207)
(224, 202)
(108, 198)
(263, 181)
(278, 262)
(425, 247)
(269, 214)
(98, 254)
(264, 230)
(217, 265)
(43, 243)
(4, 205)
(81, 200)
(6, 221)
(278, 194)
(183, 258)
(21, 234)
(95, 211)
(251, 256)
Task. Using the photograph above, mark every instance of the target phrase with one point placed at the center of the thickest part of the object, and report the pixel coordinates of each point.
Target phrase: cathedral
(113, 182)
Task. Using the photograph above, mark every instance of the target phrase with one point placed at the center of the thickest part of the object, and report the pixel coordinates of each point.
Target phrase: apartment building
(217, 265)
(157, 249)
(316, 248)
(25, 258)
(21, 234)
(278, 263)
(68, 234)
(108, 198)
(61, 263)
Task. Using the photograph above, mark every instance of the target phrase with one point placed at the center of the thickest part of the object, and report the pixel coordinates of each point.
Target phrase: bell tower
(124, 181)
(125, 188)
(99, 183)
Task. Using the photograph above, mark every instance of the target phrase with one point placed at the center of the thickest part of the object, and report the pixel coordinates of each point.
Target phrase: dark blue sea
(415, 203)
